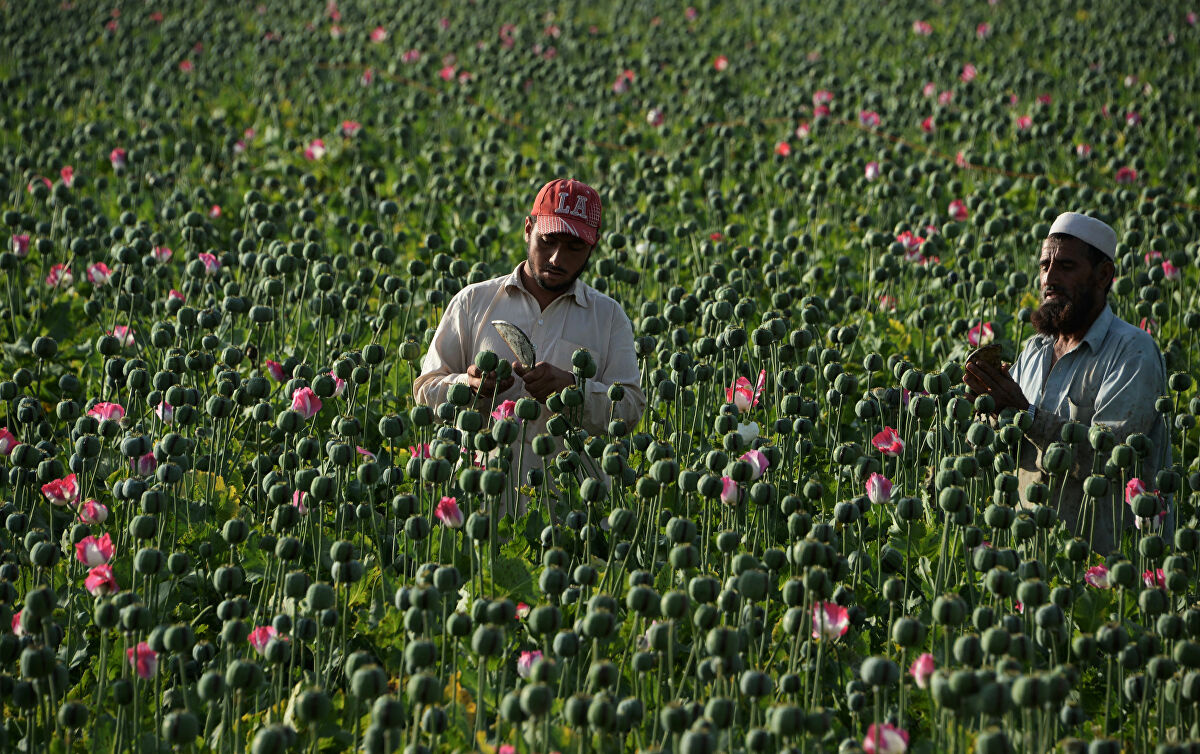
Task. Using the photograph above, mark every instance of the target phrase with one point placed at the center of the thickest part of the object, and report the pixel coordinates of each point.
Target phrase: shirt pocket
(1081, 402)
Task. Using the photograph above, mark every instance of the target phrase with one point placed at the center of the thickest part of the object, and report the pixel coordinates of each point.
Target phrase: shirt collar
(578, 291)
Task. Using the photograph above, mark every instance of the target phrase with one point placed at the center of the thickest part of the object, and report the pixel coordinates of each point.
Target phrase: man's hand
(984, 378)
(485, 386)
(543, 380)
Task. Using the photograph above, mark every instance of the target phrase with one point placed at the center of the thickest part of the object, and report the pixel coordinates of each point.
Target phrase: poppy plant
(448, 513)
(742, 395)
(879, 488)
(306, 402)
(93, 550)
(921, 669)
(112, 411)
(829, 620)
(20, 245)
(62, 491)
(8, 441)
(506, 410)
(92, 512)
(729, 491)
(260, 636)
(275, 369)
(981, 334)
(211, 263)
(100, 581)
(526, 662)
(59, 275)
(1098, 577)
(888, 442)
(883, 738)
(143, 660)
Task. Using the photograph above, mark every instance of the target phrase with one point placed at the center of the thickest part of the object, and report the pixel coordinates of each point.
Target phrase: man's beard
(1065, 316)
(545, 285)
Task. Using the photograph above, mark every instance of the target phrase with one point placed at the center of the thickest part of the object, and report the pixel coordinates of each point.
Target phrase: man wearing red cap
(560, 313)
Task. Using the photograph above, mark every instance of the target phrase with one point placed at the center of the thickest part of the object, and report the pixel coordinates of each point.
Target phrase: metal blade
(517, 340)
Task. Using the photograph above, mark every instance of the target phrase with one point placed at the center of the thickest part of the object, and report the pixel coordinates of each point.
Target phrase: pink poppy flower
(1044, 99)
(1098, 577)
(68, 176)
(922, 28)
(364, 452)
(958, 210)
(92, 512)
(59, 274)
(156, 17)
(506, 410)
(1126, 175)
(447, 72)
(1154, 578)
(111, 25)
(1170, 271)
(888, 442)
(448, 513)
(960, 159)
(1133, 119)
(783, 149)
(144, 465)
(981, 334)
(1152, 257)
(506, 749)
(1024, 122)
(314, 150)
(410, 56)
(331, 9)
(868, 118)
(655, 117)
(730, 494)
(124, 334)
(525, 662)
(162, 254)
(887, 303)
(444, 23)
(366, 79)
(260, 636)
(165, 412)
(100, 581)
(946, 97)
(879, 489)
(465, 76)
(378, 34)
(176, 294)
(883, 738)
(38, 179)
(339, 387)
(305, 401)
(98, 273)
(105, 410)
(8, 441)
(298, 498)
(921, 669)
(17, 629)
(910, 241)
(335, 31)
(690, 13)
(118, 158)
(523, 610)
(420, 451)
(871, 171)
(214, 211)
(822, 97)
(143, 659)
(829, 620)
(758, 461)
(716, 236)
(1190, 18)
(1148, 324)
(720, 63)
(185, 66)
(94, 551)
(553, 31)
(350, 128)
(983, 31)
(1083, 151)
(741, 395)
(969, 73)
(20, 245)
(803, 130)
(928, 125)
(275, 369)
(211, 263)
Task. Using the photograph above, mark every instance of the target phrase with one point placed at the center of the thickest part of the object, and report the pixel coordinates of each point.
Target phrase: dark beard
(560, 287)
(1055, 318)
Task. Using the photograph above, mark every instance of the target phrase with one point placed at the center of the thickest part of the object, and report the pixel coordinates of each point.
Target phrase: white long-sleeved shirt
(582, 317)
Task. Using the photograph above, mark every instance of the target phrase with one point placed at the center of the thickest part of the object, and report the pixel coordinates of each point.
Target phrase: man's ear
(528, 227)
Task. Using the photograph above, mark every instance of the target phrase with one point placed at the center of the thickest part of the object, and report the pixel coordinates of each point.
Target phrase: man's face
(555, 260)
(1070, 286)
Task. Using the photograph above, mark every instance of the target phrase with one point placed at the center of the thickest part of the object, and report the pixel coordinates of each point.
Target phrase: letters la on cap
(1089, 230)
(568, 206)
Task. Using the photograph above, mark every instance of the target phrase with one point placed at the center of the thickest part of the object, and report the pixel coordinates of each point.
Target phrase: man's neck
(540, 294)
(1065, 343)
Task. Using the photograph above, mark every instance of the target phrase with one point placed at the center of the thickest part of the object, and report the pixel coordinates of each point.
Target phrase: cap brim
(549, 224)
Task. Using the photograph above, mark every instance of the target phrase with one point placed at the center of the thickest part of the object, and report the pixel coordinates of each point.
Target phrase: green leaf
(1092, 608)
(514, 578)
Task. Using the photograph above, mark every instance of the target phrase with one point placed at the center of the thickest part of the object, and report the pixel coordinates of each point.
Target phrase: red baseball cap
(568, 206)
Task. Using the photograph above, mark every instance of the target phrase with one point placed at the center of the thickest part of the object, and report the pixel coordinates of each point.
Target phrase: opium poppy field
(230, 231)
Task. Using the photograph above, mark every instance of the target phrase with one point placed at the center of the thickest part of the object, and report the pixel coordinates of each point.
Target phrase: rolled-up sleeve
(1125, 403)
(445, 363)
(620, 365)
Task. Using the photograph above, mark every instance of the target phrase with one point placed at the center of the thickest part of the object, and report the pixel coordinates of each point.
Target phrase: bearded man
(1084, 365)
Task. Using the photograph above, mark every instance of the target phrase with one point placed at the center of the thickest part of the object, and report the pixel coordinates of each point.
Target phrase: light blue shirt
(1113, 377)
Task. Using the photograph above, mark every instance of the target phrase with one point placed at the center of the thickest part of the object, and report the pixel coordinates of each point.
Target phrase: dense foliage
(229, 230)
